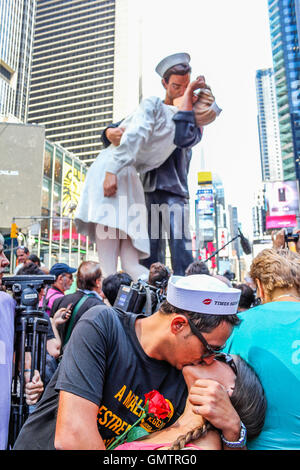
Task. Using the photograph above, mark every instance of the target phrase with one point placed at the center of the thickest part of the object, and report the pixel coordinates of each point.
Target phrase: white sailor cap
(203, 294)
(171, 61)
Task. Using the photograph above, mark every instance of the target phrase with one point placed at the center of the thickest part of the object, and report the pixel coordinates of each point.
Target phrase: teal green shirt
(269, 340)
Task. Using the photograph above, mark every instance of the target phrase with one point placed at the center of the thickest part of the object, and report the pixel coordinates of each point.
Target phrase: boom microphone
(245, 244)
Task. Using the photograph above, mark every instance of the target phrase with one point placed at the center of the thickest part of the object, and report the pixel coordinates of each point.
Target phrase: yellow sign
(205, 177)
(14, 231)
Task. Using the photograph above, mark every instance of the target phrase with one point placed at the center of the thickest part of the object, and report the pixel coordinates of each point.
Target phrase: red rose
(157, 404)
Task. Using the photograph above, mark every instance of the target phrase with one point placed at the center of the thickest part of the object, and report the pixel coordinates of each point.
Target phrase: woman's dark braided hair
(190, 436)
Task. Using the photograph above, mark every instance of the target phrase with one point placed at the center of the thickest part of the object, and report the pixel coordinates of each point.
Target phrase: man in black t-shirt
(114, 358)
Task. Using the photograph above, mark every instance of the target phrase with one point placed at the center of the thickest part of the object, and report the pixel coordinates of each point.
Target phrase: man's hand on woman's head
(211, 400)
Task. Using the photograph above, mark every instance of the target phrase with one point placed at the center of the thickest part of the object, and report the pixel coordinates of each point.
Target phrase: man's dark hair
(35, 259)
(30, 268)
(87, 274)
(204, 322)
(197, 267)
(158, 272)
(180, 69)
(111, 285)
(247, 296)
(229, 274)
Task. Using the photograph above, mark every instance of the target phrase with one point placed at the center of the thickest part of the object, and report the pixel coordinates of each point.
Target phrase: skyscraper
(284, 16)
(269, 138)
(77, 62)
(16, 39)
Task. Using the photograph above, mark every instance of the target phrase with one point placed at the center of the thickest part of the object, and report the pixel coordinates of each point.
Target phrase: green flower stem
(123, 436)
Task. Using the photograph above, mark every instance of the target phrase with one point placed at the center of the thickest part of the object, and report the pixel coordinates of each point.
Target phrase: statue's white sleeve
(139, 129)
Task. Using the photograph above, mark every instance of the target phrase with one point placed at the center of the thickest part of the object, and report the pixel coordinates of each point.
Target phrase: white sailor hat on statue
(203, 294)
(171, 61)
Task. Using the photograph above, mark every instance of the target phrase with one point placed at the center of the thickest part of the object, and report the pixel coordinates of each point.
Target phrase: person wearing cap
(63, 282)
(113, 359)
(168, 184)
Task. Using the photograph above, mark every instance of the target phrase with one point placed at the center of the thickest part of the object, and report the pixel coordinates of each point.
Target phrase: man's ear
(178, 324)
(164, 83)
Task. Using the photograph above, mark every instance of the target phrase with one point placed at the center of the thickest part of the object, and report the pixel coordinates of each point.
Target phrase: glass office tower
(284, 17)
(16, 40)
(72, 72)
(269, 138)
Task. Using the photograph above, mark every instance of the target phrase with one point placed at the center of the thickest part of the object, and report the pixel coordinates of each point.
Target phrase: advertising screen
(282, 200)
(205, 200)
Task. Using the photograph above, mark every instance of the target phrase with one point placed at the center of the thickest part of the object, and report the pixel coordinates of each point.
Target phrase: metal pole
(216, 231)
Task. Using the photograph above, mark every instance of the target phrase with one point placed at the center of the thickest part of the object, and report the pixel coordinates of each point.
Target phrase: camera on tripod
(31, 330)
(26, 290)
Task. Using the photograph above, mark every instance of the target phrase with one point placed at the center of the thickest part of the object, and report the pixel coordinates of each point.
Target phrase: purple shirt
(7, 316)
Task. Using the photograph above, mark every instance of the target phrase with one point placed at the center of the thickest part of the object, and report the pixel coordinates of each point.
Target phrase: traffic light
(14, 231)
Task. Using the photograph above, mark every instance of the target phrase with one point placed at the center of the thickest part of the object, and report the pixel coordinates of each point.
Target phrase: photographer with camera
(144, 296)
(61, 316)
(111, 285)
(286, 238)
(33, 388)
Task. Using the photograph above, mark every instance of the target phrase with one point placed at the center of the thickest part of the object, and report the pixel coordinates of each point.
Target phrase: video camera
(26, 290)
(31, 330)
(290, 237)
(141, 297)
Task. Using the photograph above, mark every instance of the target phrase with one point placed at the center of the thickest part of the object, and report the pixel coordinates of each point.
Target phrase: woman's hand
(110, 185)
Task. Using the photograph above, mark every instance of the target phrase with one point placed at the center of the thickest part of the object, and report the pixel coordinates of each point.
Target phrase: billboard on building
(205, 200)
(282, 201)
(222, 240)
(73, 179)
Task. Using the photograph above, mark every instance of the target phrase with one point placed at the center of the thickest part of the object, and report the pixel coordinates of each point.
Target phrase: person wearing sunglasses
(191, 430)
(113, 359)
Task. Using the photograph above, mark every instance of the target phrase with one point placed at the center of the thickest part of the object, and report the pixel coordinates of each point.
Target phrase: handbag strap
(74, 313)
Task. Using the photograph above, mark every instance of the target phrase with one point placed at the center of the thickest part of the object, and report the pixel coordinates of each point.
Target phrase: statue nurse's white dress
(148, 140)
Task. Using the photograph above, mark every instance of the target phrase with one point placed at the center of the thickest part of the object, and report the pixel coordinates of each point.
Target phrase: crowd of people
(224, 355)
(240, 395)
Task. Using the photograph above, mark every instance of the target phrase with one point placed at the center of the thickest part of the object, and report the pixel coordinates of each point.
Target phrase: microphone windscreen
(245, 244)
